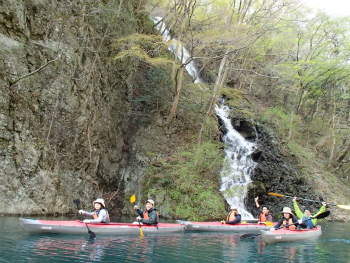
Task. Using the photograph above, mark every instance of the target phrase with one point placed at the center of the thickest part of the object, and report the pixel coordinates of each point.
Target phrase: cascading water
(191, 67)
(235, 175)
(238, 166)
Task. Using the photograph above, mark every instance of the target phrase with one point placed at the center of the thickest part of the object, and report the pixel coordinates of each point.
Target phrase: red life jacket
(262, 217)
(231, 216)
(290, 222)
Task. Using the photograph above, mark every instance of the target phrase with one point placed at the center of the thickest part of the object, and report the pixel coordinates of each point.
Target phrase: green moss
(190, 182)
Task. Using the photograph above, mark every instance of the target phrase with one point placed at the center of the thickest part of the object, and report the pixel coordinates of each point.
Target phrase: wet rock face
(274, 172)
(68, 126)
(245, 128)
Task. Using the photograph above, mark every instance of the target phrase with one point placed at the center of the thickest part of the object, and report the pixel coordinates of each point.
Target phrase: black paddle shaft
(309, 200)
(92, 235)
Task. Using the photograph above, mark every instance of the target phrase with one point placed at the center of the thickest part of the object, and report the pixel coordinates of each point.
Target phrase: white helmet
(99, 200)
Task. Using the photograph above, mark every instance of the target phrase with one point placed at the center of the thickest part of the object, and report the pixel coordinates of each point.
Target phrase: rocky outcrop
(274, 172)
(69, 124)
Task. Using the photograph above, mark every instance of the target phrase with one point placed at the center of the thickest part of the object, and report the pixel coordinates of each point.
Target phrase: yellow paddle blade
(133, 199)
(268, 223)
(276, 194)
(344, 206)
(141, 234)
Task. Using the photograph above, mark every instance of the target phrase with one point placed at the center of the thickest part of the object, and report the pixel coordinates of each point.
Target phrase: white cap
(150, 201)
(99, 200)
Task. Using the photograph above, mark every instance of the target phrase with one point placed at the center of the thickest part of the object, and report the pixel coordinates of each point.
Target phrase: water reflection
(19, 246)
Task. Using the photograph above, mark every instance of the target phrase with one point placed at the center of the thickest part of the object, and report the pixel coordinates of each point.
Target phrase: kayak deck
(220, 227)
(79, 227)
(286, 235)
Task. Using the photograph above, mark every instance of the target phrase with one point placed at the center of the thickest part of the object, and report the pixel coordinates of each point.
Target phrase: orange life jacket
(146, 216)
(290, 222)
(231, 216)
(262, 217)
(95, 215)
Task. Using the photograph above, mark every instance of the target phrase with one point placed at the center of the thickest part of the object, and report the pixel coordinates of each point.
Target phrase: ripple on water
(19, 246)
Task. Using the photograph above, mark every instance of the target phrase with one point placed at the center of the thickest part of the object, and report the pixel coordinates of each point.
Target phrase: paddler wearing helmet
(100, 214)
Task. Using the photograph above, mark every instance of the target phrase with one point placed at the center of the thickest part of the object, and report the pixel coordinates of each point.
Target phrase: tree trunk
(177, 97)
(213, 97)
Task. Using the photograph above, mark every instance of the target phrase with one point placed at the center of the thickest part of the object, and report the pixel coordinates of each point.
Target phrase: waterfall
(238, 166)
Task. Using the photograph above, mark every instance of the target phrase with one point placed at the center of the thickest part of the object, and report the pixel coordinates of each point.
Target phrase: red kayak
(78, 227)
(286, 235)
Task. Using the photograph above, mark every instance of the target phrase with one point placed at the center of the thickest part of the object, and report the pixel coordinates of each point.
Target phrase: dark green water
(19, 246)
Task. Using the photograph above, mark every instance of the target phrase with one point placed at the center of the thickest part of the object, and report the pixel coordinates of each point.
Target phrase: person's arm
(296, 208)
(278, 224)
(256, 202)
(152, 218)
(139, 212)
(322, 209)
(237, 220)
(269, 218)
(101, 217)
(86, 213)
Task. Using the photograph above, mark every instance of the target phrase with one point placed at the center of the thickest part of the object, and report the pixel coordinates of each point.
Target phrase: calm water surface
(19, 246)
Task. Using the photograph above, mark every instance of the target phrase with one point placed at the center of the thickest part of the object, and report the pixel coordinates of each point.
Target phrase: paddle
(132, 200)
(319, 216)
(340, 206)
(92, 235)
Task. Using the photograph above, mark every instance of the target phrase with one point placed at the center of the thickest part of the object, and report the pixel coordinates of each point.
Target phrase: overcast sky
(332, 7)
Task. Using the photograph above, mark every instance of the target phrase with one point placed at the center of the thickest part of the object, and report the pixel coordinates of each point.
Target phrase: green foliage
(300, 151)
(278, 119)
(190, 178)
(154, 87)
(149, 49)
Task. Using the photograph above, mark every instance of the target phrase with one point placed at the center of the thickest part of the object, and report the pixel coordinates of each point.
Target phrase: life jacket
(308, 222)
(290, 224)
(97, 212)
(262, 217)
(231, 216)
(146, 216)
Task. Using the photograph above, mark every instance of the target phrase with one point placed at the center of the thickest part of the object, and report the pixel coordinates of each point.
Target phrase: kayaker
(100, 214)
(150, 216)
(288, 220)
(305, 219)
(264, 213)
(233, 217)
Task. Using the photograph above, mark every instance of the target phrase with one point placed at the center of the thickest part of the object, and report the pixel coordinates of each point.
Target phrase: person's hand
(294, 199)
(135, 207)
(223, 222)
(81, 211)
(324, 203)
(272, 229)
(138, 218)
(300, 221)
(87, 221)
(256, 199)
